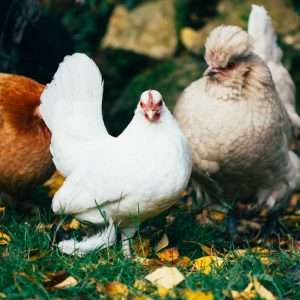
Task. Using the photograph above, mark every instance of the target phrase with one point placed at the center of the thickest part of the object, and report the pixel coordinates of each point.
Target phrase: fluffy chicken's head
(226, 48)
(151, 104)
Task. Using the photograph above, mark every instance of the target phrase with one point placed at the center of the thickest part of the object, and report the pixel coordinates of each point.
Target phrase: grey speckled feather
(236, 125)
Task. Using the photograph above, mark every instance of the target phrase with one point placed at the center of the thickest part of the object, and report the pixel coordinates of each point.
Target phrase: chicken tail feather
(261, 29)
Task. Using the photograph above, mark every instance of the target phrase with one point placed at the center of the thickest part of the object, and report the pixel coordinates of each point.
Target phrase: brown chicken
(25, 159)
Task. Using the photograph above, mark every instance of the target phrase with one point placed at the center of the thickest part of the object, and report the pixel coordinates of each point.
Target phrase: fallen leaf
(2, 295)
(67, 283)
(205, 263)
(216, 216)
(116, 290)
(59, 280)
(262, 291)
(166, 277)
(54, 183)
(35, 254)
(163, 243)
(183, 262)
(169, 255)
(148, 262)
(208, 250)
(252, 290)
(4, 238)
(142, 247)
(72, 225)
(162, 292)
(2, 211)
(44, 227)
(141, 285)
(142, 297)
(197, 295)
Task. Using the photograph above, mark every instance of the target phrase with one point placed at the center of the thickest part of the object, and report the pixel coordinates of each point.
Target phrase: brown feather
(25, 159)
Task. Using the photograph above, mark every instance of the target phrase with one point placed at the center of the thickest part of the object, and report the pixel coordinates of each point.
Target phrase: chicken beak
(210, 71)
(150, 114)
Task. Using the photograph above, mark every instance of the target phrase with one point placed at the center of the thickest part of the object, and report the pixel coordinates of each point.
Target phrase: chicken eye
(160, 103)
(230, 65)
(142, 104)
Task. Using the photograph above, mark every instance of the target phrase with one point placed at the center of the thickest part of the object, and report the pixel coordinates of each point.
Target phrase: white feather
(137, 175)
(265, 45)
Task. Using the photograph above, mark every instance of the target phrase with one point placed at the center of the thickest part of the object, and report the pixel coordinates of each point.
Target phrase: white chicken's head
(151, 105)
(226, 48)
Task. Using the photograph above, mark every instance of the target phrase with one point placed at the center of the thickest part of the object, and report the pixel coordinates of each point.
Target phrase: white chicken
(265, 46)
(137, 175)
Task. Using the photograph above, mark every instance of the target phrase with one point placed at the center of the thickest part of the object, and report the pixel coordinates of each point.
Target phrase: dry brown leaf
(253, 289)
(116, 290)
(197, 295)
(166, 277)
(35, 254)
(148, 262)
(142, 247)
(4, 238)
(183, 262)
(2, 211)
(169, 255)
(72, 225)
(59, 280)
(163, 243)
(205, 263)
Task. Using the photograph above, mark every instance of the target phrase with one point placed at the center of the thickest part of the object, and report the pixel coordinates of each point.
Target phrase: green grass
(22, 275)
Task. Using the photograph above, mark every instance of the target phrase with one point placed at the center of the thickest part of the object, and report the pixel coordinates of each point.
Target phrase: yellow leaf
(163, 243)
(67, 283)
(73, 225)
(2, 295)
(169, 255)
(142, 247)
(143, 297)
(197, 295)
(262, 291)
(166, 277)
(162, 292)
(2, 211)
(4, 238)
(116, 290)
(216, 216)
(54, 183)
(205, 263)
(253, 289)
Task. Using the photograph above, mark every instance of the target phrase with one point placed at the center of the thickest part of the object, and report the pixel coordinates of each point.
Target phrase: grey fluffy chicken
(238, 128)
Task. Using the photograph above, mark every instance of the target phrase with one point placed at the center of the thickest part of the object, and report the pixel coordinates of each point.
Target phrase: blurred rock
(285, 20)
(149, 29)
(170, 78)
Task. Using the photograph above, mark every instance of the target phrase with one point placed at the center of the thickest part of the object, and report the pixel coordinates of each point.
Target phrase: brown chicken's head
(151, 104)
(227, 47)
